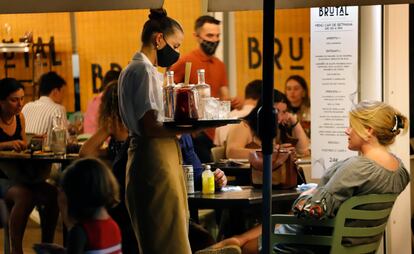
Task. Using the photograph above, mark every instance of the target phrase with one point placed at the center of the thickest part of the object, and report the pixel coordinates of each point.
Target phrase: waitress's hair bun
(157, 14)
(158, 22)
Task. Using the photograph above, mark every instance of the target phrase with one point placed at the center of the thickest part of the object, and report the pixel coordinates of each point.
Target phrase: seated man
(39, 114)
(252, 94)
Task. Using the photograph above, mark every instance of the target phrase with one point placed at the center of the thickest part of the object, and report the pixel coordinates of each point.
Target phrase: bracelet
(293, 125)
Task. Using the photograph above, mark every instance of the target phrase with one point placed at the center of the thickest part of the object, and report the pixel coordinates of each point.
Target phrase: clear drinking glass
(211, 108)
(46, 142)
(7, 32)
(78, 123)
(224, 109)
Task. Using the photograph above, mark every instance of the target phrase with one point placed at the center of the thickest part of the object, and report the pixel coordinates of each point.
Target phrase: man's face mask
(209, 47)
(167, 56)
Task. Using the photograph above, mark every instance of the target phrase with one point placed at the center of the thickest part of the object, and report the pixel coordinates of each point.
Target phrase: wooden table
(24, 157)
(237, 174)
(12, 156)
(247, 197)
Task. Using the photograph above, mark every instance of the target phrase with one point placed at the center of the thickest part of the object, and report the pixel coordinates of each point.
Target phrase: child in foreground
(88, 189)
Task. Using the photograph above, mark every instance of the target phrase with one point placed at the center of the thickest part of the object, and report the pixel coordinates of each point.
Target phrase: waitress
(155, 187)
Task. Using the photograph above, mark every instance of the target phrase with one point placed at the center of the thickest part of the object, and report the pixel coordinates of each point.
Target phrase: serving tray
(200, 123)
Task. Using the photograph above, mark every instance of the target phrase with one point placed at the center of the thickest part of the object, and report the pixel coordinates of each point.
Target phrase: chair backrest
(357, 217)
(355, 208)
(218, 153)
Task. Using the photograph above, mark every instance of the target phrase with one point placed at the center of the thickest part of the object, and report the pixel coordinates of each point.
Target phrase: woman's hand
(291, 119)
(236, 103)
(300, 202)
(298, 207)
(92, 146)
(17, 145)
(220, 178)
(287, 147)
(308, 192)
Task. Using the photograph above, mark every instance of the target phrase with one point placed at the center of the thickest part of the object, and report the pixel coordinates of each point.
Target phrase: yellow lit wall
(292, 46)
(44, 26)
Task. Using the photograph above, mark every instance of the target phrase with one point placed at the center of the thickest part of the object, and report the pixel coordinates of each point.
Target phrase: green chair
(352, 209)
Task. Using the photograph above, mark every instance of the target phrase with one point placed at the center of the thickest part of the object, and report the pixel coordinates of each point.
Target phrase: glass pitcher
(186, 103)
(58, 137)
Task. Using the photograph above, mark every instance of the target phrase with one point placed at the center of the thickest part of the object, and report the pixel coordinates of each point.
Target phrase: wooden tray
(200, 123)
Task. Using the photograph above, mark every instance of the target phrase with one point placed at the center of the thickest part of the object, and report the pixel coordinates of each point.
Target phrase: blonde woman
(373, 126)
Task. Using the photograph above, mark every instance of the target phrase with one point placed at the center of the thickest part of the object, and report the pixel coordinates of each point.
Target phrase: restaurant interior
(81, 45)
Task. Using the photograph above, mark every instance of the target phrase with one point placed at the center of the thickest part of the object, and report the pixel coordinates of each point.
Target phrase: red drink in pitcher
(186, 100)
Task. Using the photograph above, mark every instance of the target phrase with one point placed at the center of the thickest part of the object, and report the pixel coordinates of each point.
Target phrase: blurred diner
(39, 114)
(25, 184)
(88, 189)
(252, 94)
(297, 93)
(91, 122)
(243, 137)
(110, 143)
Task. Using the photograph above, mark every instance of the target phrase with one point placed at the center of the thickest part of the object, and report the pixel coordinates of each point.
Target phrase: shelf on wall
(15, 47)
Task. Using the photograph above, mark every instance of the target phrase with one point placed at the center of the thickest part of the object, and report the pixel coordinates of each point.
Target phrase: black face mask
(209, 47)
(167, 56)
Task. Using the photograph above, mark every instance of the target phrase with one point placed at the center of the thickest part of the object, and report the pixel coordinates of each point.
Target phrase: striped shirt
(39, 115)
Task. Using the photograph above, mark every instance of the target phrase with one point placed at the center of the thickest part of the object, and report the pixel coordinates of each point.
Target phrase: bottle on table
(207, 180)
(168, 96)
(58, 136)
(204, 91)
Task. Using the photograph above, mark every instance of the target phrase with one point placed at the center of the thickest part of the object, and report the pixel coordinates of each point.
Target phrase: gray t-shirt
(351, 177)
(354, 176)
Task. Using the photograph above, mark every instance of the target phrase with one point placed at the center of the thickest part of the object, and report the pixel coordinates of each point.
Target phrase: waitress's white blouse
(139, 90)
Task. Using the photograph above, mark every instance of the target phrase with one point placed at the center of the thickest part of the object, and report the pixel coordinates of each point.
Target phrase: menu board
(334, 82)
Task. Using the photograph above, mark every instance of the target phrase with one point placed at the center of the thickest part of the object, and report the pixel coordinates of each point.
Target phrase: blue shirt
(191, 158)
